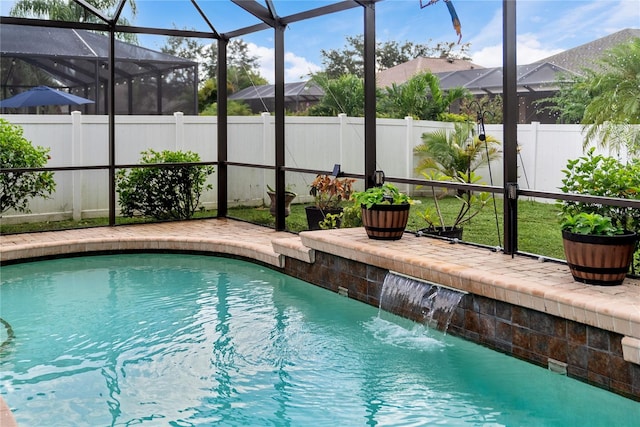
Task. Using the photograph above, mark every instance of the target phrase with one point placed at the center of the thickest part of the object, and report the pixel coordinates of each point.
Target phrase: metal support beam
(257, 10)
(222, 128)
(369, 92)
(111, 107)
(510, 127)
(279, 130)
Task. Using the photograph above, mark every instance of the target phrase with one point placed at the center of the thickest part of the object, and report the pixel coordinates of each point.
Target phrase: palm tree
(615, 99)
(453, 156)
(455, 152)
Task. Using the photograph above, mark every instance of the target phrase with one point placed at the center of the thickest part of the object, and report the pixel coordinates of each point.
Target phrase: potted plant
(604, 233)
(288, 198)
(471, 203)
(454, 155)
(455, 151)
(597, 251)
(328, 193)
(385, 211)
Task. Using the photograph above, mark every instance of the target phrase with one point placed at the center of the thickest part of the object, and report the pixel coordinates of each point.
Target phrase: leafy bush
(163, 192)
(599, 175)
(17, 187)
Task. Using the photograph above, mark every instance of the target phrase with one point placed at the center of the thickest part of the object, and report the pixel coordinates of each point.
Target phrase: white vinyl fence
(311, 143)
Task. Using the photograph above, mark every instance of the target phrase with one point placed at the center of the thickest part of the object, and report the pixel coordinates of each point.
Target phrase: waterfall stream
(428, 303)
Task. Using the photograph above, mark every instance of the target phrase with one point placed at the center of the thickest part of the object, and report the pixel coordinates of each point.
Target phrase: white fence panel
(315, 143)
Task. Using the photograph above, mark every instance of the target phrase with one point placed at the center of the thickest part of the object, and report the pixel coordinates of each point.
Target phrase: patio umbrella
(43, 95)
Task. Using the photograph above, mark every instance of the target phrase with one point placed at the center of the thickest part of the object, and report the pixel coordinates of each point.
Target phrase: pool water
(189, 340)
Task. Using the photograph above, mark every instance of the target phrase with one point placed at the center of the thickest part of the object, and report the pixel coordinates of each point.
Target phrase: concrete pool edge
(542, 287)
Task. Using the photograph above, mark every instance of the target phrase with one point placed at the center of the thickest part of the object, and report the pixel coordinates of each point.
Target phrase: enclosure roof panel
(18, 40)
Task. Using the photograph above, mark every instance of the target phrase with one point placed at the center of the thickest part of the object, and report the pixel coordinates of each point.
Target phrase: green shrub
(163, 192)
(16, 188)
(599, 175)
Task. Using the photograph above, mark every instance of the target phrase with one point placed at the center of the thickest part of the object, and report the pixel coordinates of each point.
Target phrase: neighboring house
(538, 80)
(297, 96)
(583, 56)
(535, 81)
(403, 72)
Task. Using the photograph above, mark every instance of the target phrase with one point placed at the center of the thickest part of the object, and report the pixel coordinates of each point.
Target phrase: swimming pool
(167, 339)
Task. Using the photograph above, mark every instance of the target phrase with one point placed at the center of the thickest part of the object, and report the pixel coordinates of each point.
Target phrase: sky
(544, 28)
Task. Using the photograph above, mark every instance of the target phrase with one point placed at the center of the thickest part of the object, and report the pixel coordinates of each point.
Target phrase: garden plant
(16, 188)
(163, 192)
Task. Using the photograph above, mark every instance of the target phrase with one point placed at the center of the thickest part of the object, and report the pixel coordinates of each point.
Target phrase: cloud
(547, 28)
(297, 68)
(528, 50)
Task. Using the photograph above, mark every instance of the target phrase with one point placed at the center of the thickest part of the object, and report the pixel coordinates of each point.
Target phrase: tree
(17, 187)
(350, 60)
(242, 67)
(344, 94)
(615, 98)
(193, 50)
(234, 108)
(68, 10)
(568, 102)
(420, 97)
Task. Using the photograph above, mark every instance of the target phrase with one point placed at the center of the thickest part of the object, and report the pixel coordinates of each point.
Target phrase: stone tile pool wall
(584, 352)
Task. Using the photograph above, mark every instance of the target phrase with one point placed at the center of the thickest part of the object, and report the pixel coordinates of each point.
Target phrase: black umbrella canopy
(43, 95)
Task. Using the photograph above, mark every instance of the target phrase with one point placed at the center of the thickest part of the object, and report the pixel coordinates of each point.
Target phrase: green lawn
(538, 232)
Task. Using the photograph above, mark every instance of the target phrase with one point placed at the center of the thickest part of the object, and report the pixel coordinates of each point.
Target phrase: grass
(538, 232)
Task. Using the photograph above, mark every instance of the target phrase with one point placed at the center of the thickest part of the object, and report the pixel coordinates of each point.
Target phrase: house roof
(583, 56)
(403, 72)
(539, 76)
(530, 78)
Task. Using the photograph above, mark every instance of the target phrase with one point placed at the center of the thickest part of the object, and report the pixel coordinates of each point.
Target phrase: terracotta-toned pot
(599, 260)
(385, 222)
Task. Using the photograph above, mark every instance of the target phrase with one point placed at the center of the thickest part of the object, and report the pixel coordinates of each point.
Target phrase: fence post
(342, 122)
(179, 121)
(266, 119)
(76, 160)
(535, 129)
(409, 147)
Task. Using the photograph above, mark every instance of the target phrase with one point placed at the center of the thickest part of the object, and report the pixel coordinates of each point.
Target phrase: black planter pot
(599, 260)
(385, 222)
(315, 216)
(448, 232)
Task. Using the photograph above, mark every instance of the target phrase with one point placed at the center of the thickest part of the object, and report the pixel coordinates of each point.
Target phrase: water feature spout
(423, 302)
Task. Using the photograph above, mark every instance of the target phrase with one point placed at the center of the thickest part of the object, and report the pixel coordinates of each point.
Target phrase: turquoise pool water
(186, 340)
